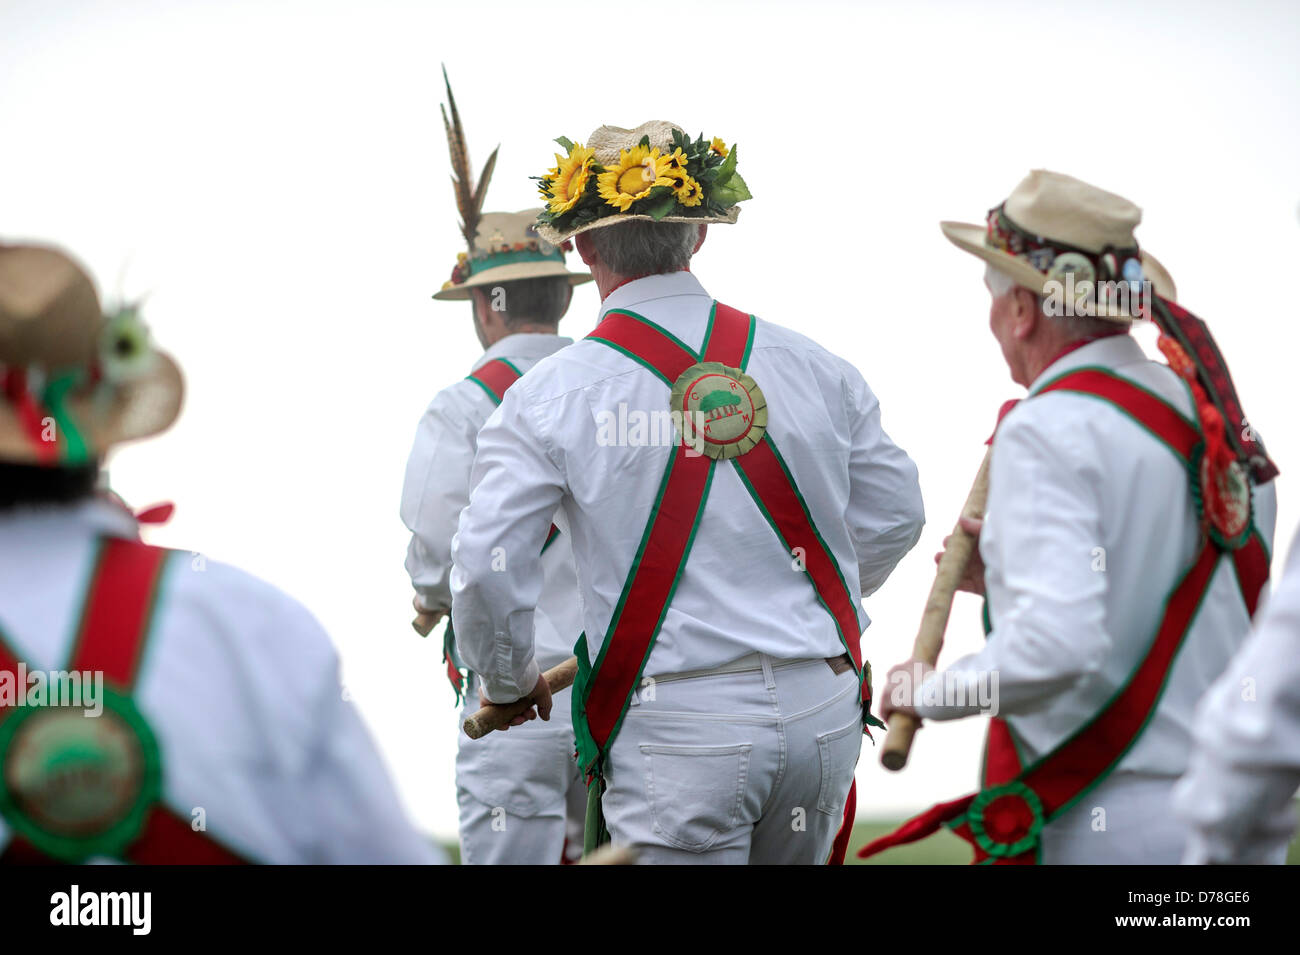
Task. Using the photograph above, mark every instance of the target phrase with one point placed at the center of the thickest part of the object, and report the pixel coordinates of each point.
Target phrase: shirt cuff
(507, 691)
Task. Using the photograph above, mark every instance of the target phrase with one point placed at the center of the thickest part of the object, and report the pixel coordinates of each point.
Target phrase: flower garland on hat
(694, 178)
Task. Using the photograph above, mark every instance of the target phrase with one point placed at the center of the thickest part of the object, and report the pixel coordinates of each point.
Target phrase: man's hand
(972, 581)
(901, 684)
(540, 698)
(425, 620)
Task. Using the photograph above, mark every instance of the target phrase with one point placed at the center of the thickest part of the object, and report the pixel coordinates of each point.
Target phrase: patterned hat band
(1057, 259)
(532, 251)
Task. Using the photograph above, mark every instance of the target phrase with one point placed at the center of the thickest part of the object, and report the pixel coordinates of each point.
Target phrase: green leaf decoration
(733, 191)
(658, 208)
(645, 141)
(565, 142)
(727, 169)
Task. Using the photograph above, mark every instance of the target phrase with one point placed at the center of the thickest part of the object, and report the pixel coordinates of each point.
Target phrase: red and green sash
(603, 689)
(128, 819)
(495, 377)
(1005, 819)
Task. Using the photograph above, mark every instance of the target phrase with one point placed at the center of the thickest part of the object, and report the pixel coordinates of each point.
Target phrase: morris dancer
(1126, 546)
(224, 736)
(721, 692)
(515, 790)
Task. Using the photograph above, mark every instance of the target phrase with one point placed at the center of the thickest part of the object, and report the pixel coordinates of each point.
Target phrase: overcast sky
(273, 175)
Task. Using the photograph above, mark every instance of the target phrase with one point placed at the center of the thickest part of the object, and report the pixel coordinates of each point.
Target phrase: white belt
(746, 664)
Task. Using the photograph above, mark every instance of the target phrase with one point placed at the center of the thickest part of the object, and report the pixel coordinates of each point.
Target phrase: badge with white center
(720, 407)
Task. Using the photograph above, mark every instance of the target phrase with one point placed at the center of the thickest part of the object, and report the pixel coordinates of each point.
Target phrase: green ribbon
(75, 450)
(496, 259)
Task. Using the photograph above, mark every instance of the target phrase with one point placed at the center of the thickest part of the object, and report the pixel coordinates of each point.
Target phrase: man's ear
(704, 234)
(586, 249)
(1027, 313)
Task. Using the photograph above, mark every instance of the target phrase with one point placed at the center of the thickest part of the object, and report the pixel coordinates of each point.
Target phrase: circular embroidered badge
(1006, 820)
(78, 785)
(718, 409)
(1224, 502)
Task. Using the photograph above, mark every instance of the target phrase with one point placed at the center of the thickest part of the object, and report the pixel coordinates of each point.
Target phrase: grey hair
(1000, 284)
(645, 247)
(530, 301)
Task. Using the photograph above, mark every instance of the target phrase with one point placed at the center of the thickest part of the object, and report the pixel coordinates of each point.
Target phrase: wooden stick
(934, 620)
(494, 716)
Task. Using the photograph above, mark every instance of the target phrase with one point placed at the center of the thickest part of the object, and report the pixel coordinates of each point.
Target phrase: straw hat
(613, 153)
(507, 248)
(72, 381)
(1054, 227)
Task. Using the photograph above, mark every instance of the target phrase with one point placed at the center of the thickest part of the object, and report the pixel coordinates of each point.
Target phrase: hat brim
(513, 272)
(555, 237)
(137, 409)
(970, 238)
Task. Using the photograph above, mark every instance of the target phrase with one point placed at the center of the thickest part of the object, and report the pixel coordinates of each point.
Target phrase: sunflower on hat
(663, 175)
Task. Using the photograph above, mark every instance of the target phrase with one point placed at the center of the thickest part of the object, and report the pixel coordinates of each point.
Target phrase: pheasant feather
(469, 197)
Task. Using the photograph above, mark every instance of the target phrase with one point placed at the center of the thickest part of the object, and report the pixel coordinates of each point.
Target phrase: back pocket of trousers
(839, 751)
(695, 793)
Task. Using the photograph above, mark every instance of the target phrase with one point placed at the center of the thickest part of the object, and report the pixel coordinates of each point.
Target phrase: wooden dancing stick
(934, 620)
(496, 715)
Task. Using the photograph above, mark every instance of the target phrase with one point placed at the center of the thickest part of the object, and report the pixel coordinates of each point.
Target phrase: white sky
(274, 175)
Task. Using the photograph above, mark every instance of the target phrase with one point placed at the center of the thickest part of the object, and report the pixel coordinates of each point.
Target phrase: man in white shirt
(1125, 547)
(720, 699)
(520, 794)
(155, 707)
(1238, 797)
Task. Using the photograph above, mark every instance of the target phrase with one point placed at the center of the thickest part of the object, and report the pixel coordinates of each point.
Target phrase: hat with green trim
(652, 172)
(507, 248)
(502, 246)
(73, 381)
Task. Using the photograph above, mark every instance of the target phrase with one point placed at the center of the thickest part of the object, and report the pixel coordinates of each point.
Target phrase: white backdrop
(274, 176)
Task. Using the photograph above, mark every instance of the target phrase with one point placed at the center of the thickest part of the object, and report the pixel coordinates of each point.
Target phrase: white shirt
(437, 488)
(1090, 524)
(239, 684)
(1237, 794)
(741, 591)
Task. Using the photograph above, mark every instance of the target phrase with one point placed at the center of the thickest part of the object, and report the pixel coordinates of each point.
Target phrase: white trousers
(522, 799)
(1127, 820)
(734, 768)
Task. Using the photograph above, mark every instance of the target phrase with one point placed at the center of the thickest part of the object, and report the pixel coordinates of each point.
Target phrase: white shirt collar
(523, 345)
(652, 288)
(96, 517)
(1113, 351)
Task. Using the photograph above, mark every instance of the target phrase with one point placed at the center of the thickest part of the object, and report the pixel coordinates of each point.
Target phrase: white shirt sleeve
(885, 513)
(1245, 767)
(515, 489)
(435, 491)
(1049, 626)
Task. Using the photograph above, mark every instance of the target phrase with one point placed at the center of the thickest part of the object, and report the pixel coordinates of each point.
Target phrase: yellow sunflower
(719, 147)
(677, 160)
(688, 191)
(638, 170)
(568, 180)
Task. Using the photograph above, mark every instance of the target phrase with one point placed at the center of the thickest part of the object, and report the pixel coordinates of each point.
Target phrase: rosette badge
(652, 172)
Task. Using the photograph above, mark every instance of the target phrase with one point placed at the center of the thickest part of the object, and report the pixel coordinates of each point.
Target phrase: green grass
(943, 848)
